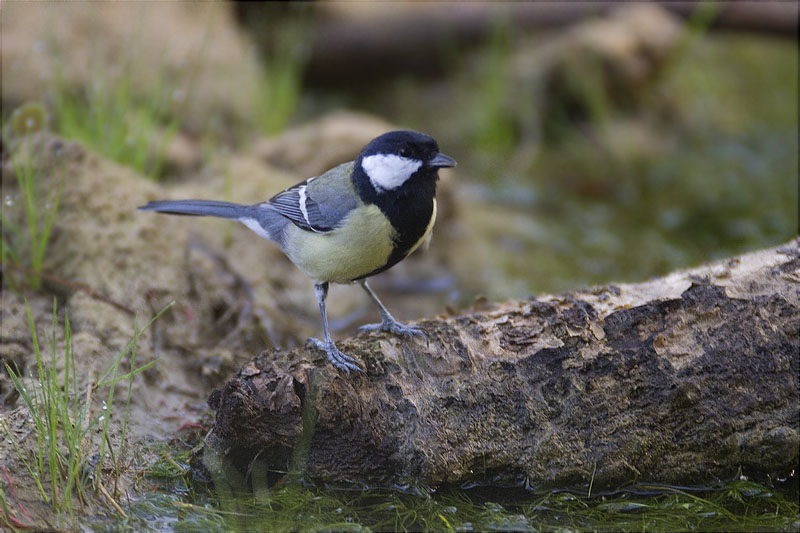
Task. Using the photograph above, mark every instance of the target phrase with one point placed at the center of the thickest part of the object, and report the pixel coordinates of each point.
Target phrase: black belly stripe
(403, 244)
(409, 211)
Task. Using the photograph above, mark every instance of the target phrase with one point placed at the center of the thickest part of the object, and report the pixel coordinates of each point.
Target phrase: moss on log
(682, 379)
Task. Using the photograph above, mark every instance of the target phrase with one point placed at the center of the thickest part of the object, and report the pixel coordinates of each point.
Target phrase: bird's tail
(198, 208)
(261, 218)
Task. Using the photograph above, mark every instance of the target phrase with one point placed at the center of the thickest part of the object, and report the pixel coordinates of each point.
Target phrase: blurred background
(596, 142)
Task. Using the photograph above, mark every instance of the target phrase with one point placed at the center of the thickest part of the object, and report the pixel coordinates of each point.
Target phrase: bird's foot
(342, 361)
(398, 328)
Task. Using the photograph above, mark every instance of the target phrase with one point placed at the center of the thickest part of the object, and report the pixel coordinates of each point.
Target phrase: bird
(352, 222)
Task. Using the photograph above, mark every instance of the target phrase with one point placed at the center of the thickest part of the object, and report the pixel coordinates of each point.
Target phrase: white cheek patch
(389, 171)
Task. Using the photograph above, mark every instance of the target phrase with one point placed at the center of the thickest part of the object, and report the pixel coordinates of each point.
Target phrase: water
(738, 505)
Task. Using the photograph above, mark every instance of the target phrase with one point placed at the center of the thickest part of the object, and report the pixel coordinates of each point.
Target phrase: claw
(388, 322)
(340, 360)
(398, 328)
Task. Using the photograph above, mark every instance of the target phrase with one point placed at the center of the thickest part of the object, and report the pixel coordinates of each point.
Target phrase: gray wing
(319, 204)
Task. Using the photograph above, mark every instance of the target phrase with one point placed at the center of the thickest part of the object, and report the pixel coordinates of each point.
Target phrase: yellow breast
(361, 245)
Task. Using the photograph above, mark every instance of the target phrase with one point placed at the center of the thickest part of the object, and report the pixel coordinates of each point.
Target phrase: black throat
(409, 208)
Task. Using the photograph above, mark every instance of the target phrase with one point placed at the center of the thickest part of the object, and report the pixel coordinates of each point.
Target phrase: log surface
(682, 379)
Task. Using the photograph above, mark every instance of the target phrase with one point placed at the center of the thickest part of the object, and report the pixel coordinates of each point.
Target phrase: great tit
(352, 222)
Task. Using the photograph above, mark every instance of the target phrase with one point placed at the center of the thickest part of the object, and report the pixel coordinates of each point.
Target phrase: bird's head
(391, 159)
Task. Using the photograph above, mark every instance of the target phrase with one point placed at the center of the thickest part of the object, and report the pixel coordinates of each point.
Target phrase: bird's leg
(338, 359)
(388, 322)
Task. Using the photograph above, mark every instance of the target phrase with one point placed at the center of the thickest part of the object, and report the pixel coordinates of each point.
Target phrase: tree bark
(682, 379)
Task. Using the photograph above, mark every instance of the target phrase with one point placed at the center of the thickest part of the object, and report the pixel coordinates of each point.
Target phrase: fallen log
(391, 40)
(682, 379)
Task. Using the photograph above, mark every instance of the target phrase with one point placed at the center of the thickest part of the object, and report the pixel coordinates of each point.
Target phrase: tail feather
(261, 218)
(198, 208)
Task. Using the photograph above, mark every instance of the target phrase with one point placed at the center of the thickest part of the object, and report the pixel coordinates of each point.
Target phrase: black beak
(442, 161)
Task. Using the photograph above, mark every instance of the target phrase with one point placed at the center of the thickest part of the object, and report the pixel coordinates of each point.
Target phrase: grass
(108, 117)
(494, 122)
(62, 418)
(279, 88)
(25, 244)
(135, 128)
